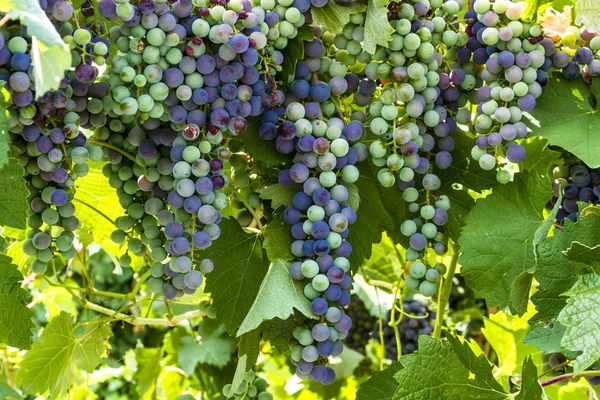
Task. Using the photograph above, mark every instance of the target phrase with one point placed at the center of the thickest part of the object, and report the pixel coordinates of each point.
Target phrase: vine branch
(445, 293)
(139, 321)
(568, 377)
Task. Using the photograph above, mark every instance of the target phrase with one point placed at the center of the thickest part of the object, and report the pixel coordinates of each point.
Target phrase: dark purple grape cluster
(577, 183)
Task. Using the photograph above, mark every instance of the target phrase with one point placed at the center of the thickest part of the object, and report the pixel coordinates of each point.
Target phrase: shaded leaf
(277, 297)
(240, 265)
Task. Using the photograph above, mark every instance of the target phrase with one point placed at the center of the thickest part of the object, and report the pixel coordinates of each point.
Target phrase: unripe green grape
(418, 270)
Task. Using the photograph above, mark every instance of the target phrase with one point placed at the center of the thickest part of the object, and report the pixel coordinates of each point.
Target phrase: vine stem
(139, 321)
(445, 294)
(115, 148)
(252, 211)
(568, 377)
(4, 20)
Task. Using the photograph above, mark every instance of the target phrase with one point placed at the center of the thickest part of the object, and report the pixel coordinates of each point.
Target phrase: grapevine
(273, 199)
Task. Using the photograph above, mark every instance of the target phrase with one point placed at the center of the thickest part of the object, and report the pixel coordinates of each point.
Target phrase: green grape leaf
(381, 385)
(279, 333)
(545, 337)
(148, 370)
(581, 318)
(97, 207)
(539, 156)
(505, 332)
(13, 196)
(464, 173)
(15, 317)
(46, 367)
(212, 350)
(249, 345)
(277, 297)
(446, 369)
(88, 349)
(570, 106)
(240, 372)
(584, 254)
(334, 17)
(51, 57)
(353, 196)
(7, 393)
(378, 30)
(497, 241)
(260, 149)
(278, 194)
(372, 220)
(588, 14)
(240, 265)
(278, 243)
(530, 385)
(519, 293)
(557, 273)
(5, 103)
(385, 263)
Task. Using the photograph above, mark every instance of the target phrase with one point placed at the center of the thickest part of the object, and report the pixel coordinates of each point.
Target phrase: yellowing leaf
(555, 23)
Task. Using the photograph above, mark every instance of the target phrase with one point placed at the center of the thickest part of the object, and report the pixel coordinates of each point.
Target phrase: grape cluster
(252, 387)
(419, 94)
(578, 183)
(46, 131)
(185, 79)
(313, 128)
(517, 58)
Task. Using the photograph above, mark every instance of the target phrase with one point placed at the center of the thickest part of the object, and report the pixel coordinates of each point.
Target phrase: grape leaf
(334, 17)
(240, 265)
(385, 263)
(212, 351)
(556, 272)
(464, 173)
(51, 57)
(7, 393)
(5, 102)
(497, 241)
(588, 14)
(585, 254)
(570, 106)
(277, 297)
(353, 196)
(249, 345)
(545, 337)
(262, 150)
(381, 385)
(278, 243)
(278, 194)
(148, 370)
(539, 156)
(505, 333)
(374, 219)
(378, 30)
(13, 196)
(97, 207)
(446, 369)
(279, 333)
(45, 368)
(530, 385)
(15, 317)
(582, 320)
(240, 371)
